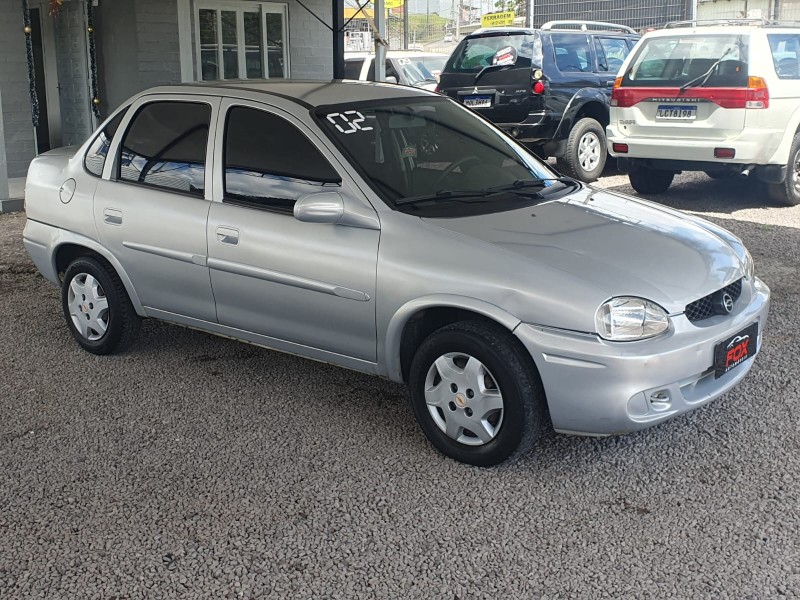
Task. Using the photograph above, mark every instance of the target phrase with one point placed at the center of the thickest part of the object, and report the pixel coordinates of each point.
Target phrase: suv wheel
(476, 394)
(585, 156)
(650, 181)
(97, 308)
(788, 191)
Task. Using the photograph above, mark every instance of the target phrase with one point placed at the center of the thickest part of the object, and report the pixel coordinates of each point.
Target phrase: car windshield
(686, 60)
(474, 54)
(412, 73)
(421, 152)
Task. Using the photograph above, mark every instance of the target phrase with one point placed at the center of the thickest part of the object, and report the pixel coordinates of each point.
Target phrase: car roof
(529, 31)
(717, 30)
(309, 94)
(393, 54)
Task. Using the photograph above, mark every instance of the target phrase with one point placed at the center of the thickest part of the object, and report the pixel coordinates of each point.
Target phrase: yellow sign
(393, 3)
(500, 19)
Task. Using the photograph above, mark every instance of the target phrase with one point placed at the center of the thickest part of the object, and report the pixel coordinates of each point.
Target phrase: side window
(371, 70)
(391, 71)
(352, 68)
(611, 53)
(572, 52)
(785, 49)
(95, 158)
(269, 163)
(165, 146)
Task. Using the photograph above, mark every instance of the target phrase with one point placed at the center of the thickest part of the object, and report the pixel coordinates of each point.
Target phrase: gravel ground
(195, 466)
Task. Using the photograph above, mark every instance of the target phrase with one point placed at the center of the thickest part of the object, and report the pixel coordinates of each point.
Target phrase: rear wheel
(585, 155)
(97, 308)
(476, 394)
(650, 181)
(787, 192)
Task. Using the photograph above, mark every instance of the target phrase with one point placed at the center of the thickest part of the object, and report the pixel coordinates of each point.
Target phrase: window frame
(121, 112)
(112, 168)
(229, 104)
(263, 8)
(591, 58)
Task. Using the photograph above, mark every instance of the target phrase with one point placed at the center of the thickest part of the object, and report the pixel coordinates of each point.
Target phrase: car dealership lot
(198, 466)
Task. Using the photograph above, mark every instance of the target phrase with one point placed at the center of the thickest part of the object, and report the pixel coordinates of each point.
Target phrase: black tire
(787, 193)
(516, 377)
(650, 181)
(570, 163)
(121, 318)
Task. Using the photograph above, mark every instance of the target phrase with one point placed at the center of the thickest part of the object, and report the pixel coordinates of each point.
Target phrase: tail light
(757, 93)
(538, 87)
(621, 148)
(436, 89)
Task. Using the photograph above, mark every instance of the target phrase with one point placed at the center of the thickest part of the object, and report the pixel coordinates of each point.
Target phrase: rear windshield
(702, 61)
(476, 53)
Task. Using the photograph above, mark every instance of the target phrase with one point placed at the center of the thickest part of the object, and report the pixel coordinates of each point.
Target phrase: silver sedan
(392, 231)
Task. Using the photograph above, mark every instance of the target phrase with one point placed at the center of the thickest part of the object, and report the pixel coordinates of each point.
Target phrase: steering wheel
(454, 165)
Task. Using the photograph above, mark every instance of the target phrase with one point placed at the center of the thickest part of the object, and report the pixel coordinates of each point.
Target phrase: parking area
(196, 466)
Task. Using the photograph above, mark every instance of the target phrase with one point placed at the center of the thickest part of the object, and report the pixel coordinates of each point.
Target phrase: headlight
(625, 319)
(749, 266)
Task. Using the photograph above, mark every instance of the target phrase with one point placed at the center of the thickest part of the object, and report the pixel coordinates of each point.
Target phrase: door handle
(610, 83)
(228, 235)
(112, 216)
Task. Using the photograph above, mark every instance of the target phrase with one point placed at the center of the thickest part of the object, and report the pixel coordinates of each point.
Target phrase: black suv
(549, 88)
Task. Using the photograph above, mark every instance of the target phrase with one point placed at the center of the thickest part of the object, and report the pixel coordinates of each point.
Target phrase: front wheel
(586, 154)
(787, 192)
(97, 308)
(650, 181)
(476, 394)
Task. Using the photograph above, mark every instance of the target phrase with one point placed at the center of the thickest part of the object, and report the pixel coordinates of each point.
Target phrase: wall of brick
(311, 43)
(16, 106)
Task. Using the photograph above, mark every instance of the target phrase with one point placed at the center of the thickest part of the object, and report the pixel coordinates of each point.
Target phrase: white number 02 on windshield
(353, 124)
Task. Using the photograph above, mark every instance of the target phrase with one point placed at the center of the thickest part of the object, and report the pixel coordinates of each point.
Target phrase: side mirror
(321, 207)
(391, 79)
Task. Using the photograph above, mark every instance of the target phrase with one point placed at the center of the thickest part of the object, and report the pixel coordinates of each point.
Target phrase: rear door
(611, 53)
(152, 206)
(492, 74)
(574, 68)
(686, 86)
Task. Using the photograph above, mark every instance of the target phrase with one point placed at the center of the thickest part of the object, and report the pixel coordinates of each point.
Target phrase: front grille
(704, 308)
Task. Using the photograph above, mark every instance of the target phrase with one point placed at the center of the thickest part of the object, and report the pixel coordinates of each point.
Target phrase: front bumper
(595, 387)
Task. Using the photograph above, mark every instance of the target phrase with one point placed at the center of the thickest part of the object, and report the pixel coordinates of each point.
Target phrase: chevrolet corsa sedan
(392, 231)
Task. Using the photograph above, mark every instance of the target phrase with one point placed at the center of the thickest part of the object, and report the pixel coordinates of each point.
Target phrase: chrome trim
(286, 279)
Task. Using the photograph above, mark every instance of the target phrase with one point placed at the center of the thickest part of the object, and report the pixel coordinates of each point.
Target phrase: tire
(92, 289)
(787, 193)
(585, 155)
(502, 370)
(650, 181)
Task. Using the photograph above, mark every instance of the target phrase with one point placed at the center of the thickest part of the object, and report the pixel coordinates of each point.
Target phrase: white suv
(719, 98)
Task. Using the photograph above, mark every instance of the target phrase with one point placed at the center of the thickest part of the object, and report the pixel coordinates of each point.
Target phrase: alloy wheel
(589, 151)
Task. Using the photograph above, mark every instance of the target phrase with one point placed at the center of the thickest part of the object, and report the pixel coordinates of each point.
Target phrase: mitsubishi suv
(723, 98)
(548, 88)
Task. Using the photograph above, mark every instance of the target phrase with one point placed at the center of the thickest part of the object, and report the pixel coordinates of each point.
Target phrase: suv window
(95, 158)
(475, 53)
(572, 52)
(165, 146)
(785, 49)
(611, 53)
(676, 60)
(269, 163)
(352, 68)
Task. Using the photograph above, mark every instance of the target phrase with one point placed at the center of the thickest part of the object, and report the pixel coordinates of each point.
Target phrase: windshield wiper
(487, 69)
(447, 196)
(521, 184)
(700, 80)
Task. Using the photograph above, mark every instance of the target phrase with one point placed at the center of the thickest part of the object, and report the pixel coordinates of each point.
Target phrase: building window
(244, 40)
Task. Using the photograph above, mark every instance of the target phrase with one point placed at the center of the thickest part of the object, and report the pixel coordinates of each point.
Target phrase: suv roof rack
(713, 22)
(586, 26)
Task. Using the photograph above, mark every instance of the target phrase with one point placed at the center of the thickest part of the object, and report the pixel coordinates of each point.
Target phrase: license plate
(676, 113)
(478, 101)
(730, 353)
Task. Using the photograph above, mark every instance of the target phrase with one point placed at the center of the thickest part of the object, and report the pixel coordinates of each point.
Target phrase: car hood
(614, 243)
